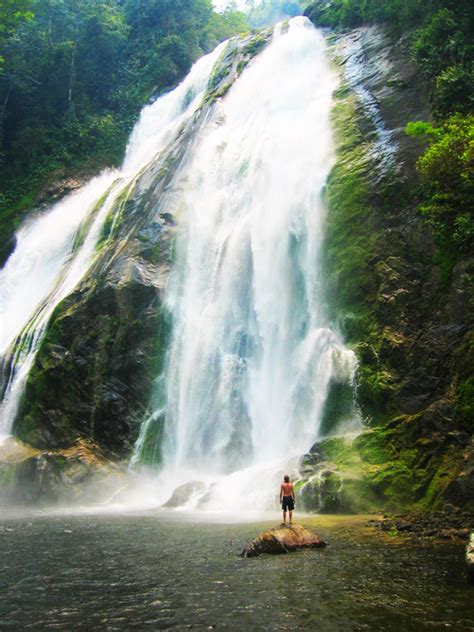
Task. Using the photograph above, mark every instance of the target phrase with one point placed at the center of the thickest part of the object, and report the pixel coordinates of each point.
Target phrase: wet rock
(283, 540)
(59, 189)
(183, 493)
(321, 493)
(440, 525)
(81, 472)
(461, 489)
(206, 498)
(470, 558)
(6, 249)
(331, 479)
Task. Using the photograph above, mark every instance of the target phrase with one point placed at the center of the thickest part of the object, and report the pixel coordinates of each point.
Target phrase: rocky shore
(441, 525)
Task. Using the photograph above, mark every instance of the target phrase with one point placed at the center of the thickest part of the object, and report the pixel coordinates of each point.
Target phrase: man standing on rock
(287, 498)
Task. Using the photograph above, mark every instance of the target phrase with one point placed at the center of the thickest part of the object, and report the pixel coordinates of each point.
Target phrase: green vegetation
(339, 482)
(74, 74)
(416, 460)
(349, 249)
(440, 37)
(394, 467)
(447, 166)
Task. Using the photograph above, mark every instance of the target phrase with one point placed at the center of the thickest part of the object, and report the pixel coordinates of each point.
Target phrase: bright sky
(220, 4)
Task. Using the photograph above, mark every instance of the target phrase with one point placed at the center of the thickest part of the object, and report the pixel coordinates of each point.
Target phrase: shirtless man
(287, 498)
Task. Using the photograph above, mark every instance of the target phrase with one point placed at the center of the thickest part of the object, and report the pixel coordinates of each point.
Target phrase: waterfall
(252, 353)
(56, 249)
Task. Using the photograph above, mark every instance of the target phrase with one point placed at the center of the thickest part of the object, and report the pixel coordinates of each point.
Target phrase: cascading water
(52, 256)
(252, 354)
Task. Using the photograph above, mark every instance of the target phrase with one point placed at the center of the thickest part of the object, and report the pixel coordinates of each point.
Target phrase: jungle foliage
(440, 35)
(74, 75)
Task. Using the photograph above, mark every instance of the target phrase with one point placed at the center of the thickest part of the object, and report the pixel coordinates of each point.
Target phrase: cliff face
(409, 324)
(93, 372)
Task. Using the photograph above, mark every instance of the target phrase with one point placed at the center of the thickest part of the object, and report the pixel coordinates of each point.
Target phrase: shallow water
(156, 571)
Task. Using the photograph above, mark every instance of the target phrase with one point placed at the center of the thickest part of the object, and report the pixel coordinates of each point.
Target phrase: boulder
(283, 540)
(183, 493)
(470, 558)
(7, 248)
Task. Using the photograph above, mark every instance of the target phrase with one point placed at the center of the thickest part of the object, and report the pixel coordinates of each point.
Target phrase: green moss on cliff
(392, 468)
(348, 253)
(338, 484)
(115, 215)
(464, 393)
(85, 382)
(392, 305)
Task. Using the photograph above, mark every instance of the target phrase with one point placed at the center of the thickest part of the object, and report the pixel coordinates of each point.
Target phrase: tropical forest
(236, 315)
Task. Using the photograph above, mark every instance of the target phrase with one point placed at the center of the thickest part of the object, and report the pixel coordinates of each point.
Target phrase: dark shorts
(288, 503)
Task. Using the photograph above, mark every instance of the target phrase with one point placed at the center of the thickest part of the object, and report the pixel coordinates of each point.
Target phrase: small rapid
(57, 248)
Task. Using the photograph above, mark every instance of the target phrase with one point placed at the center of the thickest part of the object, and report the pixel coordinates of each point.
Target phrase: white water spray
(45, 267)
(252, 354)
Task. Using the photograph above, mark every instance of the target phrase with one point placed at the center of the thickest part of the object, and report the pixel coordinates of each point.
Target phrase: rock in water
(183, 493)
(283, 540)
(470, 558)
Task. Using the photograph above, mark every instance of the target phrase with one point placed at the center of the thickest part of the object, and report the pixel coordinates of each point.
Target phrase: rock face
(80, 472)
(409, 323)
(93, 373)
(283, 540)
(470, 558)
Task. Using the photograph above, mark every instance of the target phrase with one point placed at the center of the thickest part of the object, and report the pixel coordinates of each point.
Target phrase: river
(171, 571)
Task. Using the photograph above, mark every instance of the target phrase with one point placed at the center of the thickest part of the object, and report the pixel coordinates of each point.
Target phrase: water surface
(165, 572)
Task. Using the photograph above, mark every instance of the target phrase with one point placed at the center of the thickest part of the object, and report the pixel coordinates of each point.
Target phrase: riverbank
(439, 527)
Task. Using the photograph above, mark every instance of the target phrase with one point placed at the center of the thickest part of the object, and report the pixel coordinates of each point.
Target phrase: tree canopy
(74, 75)
(440, 35)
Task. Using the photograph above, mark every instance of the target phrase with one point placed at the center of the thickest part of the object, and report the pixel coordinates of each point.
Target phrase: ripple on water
(137, 572)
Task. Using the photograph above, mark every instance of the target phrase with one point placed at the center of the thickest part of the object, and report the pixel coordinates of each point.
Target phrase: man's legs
(284, 517)
(291, 517)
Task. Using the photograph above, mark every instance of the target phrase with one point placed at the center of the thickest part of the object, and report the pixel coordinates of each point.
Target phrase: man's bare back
(287, 489)
(287, 498)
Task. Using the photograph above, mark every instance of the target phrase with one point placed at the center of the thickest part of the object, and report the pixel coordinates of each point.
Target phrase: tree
(447, 167)
(74, 75)
(12, 12)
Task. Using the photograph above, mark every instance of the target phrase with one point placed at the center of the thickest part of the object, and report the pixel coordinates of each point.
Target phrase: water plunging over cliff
(252, 353)
(56, 249)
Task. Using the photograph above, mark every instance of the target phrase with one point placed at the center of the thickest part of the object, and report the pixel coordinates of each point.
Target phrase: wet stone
(283, 540)
(183, 493)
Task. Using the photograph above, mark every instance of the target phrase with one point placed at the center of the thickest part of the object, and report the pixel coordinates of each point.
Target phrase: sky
(220, 4)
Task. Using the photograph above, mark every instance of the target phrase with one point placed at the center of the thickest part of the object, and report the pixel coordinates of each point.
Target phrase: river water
(163, 571)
